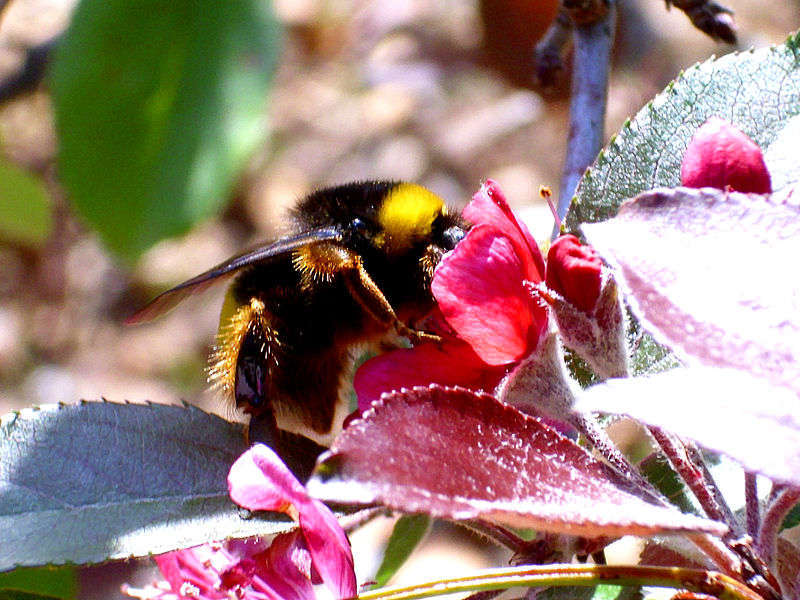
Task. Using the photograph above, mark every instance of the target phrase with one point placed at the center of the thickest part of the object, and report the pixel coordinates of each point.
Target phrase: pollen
(407, 215)
(222, 362)
(319, 263)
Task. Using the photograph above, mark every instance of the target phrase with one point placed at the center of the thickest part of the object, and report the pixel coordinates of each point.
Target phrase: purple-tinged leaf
(674, 551)
(712, 275)
(788, 567)
(452, 453)
(731, 412)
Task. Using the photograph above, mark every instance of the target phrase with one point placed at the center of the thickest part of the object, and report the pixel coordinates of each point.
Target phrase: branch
(33, 70)
(592, 56)
(547, 55)
(709, 17)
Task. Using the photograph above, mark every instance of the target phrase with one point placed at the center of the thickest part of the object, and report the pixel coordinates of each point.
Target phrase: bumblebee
(353, 275)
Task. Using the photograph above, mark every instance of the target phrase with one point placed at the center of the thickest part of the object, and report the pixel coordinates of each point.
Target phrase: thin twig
(548, 53)
(752, 507)
(360, 518)
(709, 17)
(496, 533)
(723, 557)
(597, 436)
(31, 73)
(773, 519)
(590, 68)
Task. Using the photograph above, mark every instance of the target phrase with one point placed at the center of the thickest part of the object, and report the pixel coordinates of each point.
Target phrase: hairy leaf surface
(712, 275)
(744, 417)
(452, 453)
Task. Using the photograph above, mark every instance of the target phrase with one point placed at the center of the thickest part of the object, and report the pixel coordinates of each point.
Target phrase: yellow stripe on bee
(407, 214)
(229, 308)
(235, 320)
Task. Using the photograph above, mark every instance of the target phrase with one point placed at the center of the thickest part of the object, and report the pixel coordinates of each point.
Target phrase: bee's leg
(375, 303)
(369, 295)
(323, 261)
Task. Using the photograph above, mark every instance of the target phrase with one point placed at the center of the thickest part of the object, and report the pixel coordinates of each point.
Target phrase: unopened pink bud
(575, 272)
(721, 156)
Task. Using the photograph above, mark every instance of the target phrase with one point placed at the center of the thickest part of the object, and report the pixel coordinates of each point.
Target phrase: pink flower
(575, 272)
(259, 480)
(485, 293)
(316, 553)
(721, 156)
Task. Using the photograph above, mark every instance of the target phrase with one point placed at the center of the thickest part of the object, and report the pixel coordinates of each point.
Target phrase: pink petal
(721, 156)
(330, 550)
(452, 362)
(480, 290)
(169, 566)
(489, 207)
(190, 569)
(196, 572)
(285, 567)
(259, 480)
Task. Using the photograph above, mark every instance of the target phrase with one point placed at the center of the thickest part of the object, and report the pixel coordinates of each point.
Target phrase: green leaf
(607, 592)
(408, 532)
(25, 210)
(758, 91)
(601, 592)
(49, 582)
(98, 481)
(792, 519)
(158, 105)
(657, 470)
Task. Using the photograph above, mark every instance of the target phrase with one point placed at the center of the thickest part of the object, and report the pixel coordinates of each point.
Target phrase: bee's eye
(452, 235)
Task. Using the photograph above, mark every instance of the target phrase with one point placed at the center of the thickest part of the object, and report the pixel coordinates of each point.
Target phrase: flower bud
(723, 157)
(575, 272)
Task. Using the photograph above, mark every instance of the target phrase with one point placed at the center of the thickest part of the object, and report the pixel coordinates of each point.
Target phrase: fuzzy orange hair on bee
(354, 273)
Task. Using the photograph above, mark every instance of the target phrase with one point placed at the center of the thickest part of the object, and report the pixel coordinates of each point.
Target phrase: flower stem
(773, 519)
(695, 580)
(699, 462)
(695, 477)
(597, 436)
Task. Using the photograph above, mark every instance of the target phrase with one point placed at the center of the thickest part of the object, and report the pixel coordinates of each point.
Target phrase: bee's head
(411, 215)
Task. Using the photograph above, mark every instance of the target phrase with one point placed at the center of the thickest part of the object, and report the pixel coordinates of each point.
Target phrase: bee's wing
(168, 300)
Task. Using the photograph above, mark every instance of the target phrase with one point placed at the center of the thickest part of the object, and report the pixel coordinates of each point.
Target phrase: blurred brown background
(400, 89)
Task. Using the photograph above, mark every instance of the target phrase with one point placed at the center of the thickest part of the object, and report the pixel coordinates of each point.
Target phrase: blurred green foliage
(39, 582)
(158, 106)
(25, 210)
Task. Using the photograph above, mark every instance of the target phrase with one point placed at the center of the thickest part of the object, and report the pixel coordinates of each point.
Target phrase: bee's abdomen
(286, 347)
